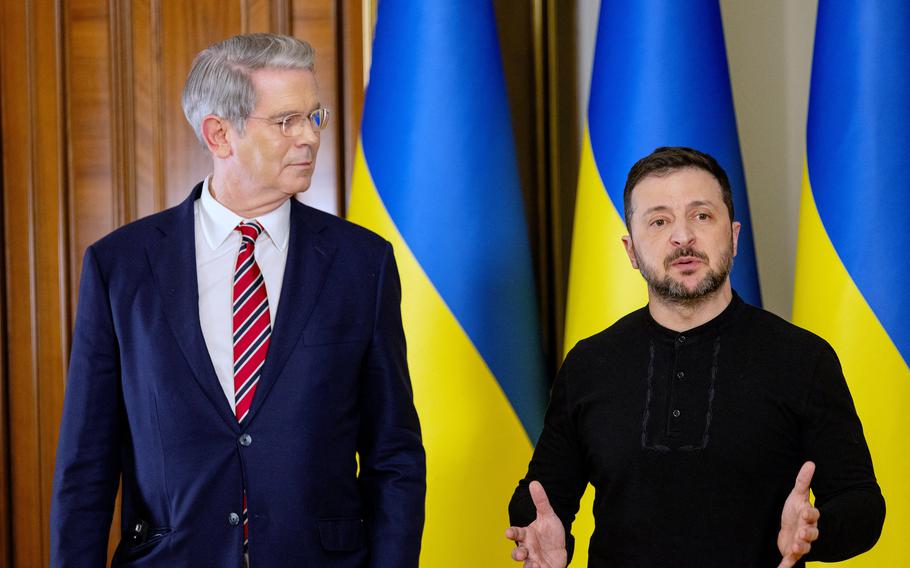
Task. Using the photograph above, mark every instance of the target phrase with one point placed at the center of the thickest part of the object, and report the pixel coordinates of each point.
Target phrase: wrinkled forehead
(676, 189)
(285, 89)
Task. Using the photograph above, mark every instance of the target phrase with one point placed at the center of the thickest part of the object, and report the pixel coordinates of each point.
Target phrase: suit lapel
(173, 261)
(308, 263)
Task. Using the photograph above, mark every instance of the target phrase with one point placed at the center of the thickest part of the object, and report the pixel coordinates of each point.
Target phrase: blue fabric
(858, 141)
(438, 142)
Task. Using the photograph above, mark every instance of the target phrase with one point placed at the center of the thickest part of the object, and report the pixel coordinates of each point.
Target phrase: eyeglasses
(292, 125)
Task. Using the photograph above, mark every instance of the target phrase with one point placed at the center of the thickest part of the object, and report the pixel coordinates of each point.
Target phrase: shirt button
(234, 519)
(676, 413)
(681, 339)
(680, 375)
(246, 440)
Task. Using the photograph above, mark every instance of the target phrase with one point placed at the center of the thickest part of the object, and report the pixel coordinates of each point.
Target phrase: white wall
(769, 51)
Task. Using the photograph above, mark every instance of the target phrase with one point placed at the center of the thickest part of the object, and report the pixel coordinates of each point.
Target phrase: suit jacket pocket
(342, 534)
(347, 333)
(129, 552)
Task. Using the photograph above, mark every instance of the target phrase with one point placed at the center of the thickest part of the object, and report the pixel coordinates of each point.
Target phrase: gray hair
(219, 81)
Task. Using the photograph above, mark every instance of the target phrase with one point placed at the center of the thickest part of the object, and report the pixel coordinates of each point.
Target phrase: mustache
(681, 252)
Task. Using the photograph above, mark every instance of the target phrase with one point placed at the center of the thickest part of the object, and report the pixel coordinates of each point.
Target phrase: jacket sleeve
(558, 461)
(392, 460)
(846, 493)
(88, 460)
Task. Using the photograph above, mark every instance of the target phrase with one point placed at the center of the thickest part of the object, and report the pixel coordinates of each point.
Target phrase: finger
(519, 553)
(515, 533)
(810, 515)
(799, 549)
(804, 479)
(808, 534)
(539, 496)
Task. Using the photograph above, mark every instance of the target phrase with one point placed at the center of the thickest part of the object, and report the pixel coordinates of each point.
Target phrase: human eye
(702, 216)
(658, 222)
(293, 120)
(318, 118)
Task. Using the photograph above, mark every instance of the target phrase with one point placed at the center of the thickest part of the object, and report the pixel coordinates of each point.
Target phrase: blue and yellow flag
(436, 174)
(660, 78)
(852, 266)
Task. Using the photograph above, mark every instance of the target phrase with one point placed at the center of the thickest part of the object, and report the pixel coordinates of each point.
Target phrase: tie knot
(249, 232)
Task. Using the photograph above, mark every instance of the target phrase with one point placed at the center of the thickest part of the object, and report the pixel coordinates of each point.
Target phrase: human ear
(214, 133)
(630, 250)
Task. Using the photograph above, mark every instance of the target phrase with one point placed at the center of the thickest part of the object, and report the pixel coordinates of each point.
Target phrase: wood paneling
(36, 264)
(5, 513)
(186, 29)
(318, 24)
(351, 81)
(148, 107)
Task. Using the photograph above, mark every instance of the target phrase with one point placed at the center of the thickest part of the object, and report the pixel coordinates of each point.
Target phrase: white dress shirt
(217, 247)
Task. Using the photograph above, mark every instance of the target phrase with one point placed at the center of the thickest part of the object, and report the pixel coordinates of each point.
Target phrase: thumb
(539, 496)
(804, 479)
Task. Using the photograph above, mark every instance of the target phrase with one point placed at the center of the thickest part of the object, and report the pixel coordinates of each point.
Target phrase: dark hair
(668, 159)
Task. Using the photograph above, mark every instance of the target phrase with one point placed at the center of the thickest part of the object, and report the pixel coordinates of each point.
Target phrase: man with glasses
(238, 361)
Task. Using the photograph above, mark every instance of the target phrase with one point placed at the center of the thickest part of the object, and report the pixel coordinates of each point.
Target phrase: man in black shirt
(701, 421)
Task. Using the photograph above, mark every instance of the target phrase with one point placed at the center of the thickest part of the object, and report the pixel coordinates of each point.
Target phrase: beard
(675, 292)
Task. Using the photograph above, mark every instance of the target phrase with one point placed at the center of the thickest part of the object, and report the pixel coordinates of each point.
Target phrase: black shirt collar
(709, 328)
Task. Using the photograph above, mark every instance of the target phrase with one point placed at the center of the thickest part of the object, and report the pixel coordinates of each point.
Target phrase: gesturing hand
(798, 520)
(542, 544)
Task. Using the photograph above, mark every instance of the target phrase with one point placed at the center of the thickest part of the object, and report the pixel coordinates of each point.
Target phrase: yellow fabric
(477, 449)
(603, 287)
(828, 303)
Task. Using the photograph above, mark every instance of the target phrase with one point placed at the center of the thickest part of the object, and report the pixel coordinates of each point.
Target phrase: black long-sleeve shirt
(693, 440)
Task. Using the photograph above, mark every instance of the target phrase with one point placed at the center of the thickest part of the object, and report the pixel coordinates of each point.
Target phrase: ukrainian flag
(660, 78)
(436, 174)
(852, 263)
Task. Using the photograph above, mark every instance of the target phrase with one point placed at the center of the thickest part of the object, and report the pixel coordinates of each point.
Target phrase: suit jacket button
(246, 440)
(234, 519)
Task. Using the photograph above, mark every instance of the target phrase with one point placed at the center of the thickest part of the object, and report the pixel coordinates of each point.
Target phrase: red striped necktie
(252, 324)
(252, 329)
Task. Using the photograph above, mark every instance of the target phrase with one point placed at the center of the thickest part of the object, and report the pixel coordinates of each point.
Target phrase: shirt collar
(709, 328)
(218, 221)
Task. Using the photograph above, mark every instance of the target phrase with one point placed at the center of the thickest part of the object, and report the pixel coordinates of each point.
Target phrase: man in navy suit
(238, 361)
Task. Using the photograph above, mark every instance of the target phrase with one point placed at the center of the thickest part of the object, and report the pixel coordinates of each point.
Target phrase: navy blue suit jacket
(143, 402)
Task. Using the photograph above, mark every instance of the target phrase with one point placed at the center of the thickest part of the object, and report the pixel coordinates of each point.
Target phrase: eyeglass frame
(282, 122)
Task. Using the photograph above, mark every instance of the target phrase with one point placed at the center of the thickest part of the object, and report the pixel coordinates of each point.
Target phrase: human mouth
(686, 259)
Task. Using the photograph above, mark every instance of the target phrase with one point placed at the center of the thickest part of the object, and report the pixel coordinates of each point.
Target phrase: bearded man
(701, 421)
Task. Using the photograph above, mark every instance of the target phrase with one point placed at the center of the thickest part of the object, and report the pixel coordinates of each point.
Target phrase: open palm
(798, 520)
(542, 544)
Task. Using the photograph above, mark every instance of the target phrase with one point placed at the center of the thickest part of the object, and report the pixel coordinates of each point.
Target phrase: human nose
(682, 234)
(308, 135)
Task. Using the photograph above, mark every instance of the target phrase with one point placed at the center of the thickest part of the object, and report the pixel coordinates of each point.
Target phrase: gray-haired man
(234, 356)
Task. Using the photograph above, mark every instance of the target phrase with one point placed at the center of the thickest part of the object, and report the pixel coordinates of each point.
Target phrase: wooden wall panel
(36, 276)
(96, 201)
(51, 330)
(24, 475)
(5, 514)
(186, 29)
(148, 107)
(318, 24)
(352, 80)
